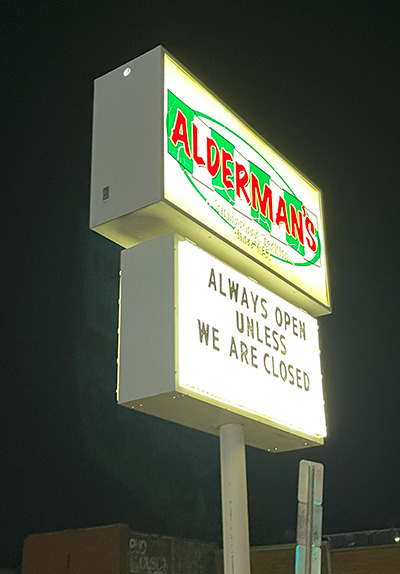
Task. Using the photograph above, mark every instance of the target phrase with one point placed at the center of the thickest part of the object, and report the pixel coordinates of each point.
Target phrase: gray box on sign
(148, 345)
(127, 146)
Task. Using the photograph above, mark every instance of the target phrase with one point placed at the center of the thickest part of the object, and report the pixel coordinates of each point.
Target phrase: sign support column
(235, 521)
(309, 518)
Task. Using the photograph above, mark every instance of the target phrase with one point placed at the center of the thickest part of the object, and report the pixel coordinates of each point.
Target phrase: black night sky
(318, 80)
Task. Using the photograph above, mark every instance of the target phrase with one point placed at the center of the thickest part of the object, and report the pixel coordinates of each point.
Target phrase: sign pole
(235, 521)
(309, 517)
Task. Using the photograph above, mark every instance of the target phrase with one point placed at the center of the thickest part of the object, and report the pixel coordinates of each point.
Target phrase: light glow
(245, 348)
(253, 198)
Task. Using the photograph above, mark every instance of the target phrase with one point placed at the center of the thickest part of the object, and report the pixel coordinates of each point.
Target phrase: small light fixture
(126, 72)
(396, 539)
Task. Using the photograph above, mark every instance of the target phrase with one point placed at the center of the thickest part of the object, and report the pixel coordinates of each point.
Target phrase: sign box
(151, 554)
(168, 156)
(203, 345)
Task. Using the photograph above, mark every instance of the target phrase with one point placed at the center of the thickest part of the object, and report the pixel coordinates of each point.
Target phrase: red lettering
(226, 171)
(264, 200)
(241, 179)
(212, 165)
(312, 244)
(281, 215)
(297, 230)
(195, 133)
(180, 132)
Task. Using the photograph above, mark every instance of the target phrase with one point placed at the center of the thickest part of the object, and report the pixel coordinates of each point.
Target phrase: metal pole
(235, 521)
(309, 520)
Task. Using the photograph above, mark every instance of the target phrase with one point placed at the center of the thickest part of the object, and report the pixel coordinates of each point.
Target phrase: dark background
(320, 81)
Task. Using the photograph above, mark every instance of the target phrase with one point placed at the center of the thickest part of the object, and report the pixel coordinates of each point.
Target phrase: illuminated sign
(254, 199)
(250, 191)
(169, 156)
(227, 348)
(246, 347)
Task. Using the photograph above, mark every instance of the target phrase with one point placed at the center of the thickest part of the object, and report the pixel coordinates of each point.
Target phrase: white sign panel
(244, 347)
(221, 173)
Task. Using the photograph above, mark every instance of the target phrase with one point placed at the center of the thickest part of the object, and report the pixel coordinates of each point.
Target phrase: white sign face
(243, 347)
(223, 175)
